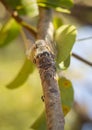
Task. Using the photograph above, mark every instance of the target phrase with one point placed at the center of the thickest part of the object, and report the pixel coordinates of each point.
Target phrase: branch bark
(44, 59)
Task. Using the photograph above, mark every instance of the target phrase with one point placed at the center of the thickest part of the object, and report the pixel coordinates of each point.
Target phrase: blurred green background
(18, 107)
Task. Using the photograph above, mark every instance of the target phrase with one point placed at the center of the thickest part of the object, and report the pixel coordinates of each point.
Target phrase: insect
(39, 49)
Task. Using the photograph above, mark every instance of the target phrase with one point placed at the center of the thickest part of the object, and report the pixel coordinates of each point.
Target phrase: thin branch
(46, 64)
(83, 39)
(15, 15)
(28, 27)
(82, 59)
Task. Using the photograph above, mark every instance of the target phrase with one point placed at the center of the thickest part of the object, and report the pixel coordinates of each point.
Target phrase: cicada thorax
(42, 55)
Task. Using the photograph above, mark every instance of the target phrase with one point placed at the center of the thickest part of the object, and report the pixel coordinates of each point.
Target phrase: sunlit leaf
(9, 32)
(65, 64)
(57, 22)
(24, 7)
(22, 76)
(67, 94)
(59, 9)
(56, 3)
(40, 123)
(65, 37)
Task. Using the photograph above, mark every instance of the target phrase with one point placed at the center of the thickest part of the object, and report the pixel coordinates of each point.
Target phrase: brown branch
(82, 59)
(28, 27)
(45, 27)
(44, 59)
(15, 15)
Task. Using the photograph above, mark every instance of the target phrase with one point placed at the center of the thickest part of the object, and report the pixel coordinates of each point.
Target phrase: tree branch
(83, 39)
(45, 27)
(44, 59)
(82, 59)
(28, 27)
(15, 15)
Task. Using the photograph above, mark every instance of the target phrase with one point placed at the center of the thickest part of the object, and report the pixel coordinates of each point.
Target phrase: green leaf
(57, 22)
(67, 94)
(59, 9)
(67, 61)
(65, 37)
(9, 32)
(56, 3)
(65, 64)
(13, 3)
(22, 76)
(23, 7)
(40, 122)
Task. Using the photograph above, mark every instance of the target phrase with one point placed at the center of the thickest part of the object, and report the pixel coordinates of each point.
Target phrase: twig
(28, 27)
(82, 59)
(44, 59)
(83, 39)
(15, 15)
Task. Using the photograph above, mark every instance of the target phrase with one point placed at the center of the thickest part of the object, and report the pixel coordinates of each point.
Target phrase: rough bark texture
(45, 27)
(44, 59)
(46, 64)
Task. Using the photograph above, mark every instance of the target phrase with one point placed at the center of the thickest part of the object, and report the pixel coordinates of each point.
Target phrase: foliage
(59, 5)
(65, 38)
(66, 90)
(24, 7)
(9, 32)
(25, 71)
